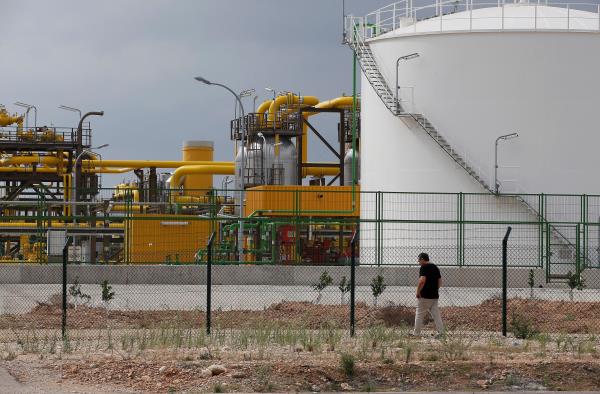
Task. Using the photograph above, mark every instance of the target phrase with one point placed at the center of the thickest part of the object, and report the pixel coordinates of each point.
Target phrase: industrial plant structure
(49, 180)
(469, 114)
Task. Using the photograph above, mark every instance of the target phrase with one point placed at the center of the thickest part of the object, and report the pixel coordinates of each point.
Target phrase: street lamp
(242, 183)
(224, 182)
(503, 138)
(268, 89)
(72, 109)
(242, 94)
(28, 107)
(405, 57)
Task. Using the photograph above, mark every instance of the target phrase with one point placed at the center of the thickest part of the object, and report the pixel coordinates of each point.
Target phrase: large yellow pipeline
(292, 99)
(264, 106)
(320, 171)
(30, 159)
(6, 119)
(289, 99)
(56, 224)
(339, 102)
(221, 169)
(28, 169)
(47, 170)
(148, 163)
(124, 190)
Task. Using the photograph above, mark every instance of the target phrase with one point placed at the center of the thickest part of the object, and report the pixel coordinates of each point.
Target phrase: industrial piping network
(58, 162)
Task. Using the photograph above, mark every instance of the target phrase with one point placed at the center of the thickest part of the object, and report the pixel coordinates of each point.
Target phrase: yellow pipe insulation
(221, 169)
(56, 224)
(339, 102)
(148, 163)
(6, 119)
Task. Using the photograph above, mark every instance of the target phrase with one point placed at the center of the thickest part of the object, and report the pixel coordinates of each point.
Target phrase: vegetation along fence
(125, 261)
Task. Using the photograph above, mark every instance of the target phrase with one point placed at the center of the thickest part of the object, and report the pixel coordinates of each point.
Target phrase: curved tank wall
(473, 87)
(476, 86)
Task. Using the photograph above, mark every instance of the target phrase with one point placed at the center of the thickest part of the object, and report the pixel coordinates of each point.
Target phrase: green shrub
(522, 327)
(377, 287)
(347, 363)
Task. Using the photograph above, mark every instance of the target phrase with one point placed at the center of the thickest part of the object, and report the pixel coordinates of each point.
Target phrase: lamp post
(72, 109)
(503, 138)
(405, 57)
(224, 182)
(242, 183)
(28, 107)
(268, 89)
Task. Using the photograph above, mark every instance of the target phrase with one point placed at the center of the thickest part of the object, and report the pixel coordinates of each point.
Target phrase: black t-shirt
(431, 273)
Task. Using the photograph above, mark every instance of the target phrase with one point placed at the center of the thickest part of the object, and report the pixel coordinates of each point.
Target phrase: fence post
(209, 281)
(353, 280)
(65, 257)
(504, 278)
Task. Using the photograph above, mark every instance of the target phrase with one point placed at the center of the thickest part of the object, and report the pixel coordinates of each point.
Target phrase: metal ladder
(369, 66)
(371, 70)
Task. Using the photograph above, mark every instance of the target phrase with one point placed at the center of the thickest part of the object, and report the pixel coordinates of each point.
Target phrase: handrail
(405, 13)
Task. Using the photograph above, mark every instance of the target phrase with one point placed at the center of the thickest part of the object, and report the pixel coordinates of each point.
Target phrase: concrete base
(483, 277)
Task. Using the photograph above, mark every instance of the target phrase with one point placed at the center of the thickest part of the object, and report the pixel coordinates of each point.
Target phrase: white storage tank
(475, 73)
(480, 74)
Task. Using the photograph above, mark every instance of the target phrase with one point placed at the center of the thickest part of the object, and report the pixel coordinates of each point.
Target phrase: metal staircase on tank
(369, 66)
(371, 70)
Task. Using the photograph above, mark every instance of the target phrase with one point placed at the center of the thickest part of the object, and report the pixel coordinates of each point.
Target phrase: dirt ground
(544, 316)
(161, 372)
(301, 346)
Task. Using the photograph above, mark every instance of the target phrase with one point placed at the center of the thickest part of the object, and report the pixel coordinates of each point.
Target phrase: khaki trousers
(428, 305)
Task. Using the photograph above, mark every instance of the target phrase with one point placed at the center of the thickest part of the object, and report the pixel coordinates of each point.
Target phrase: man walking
(430, 280)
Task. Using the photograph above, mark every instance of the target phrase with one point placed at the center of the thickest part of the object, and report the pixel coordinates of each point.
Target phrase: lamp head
(101, 146)
(510, 136)
(269, 89)
(261, 135)
(203, 80)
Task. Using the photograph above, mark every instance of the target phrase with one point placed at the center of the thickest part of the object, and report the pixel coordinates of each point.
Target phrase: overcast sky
(136, 59)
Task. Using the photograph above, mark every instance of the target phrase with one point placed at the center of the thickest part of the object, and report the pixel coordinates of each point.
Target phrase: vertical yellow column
(197, 184)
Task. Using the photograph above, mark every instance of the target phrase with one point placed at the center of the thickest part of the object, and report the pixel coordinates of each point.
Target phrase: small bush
(522, 327)
(344, 287)
(377, 288)
(455, 346)
(107, 293)
(347, 363)
(324, 280)
(218, 388)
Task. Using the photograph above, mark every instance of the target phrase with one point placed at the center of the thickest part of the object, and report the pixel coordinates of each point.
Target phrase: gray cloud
(136, 60)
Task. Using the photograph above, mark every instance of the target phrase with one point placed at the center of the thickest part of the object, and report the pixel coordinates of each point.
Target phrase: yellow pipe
(59, 224)
(339, 102)
(148, 163)
(222, 169)
(125, 208)
(28, 169)
(320, 171)
(108, 170)
(292, 99)
(264, 106)
(47, 170)
(30, 159)
(6, 119)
